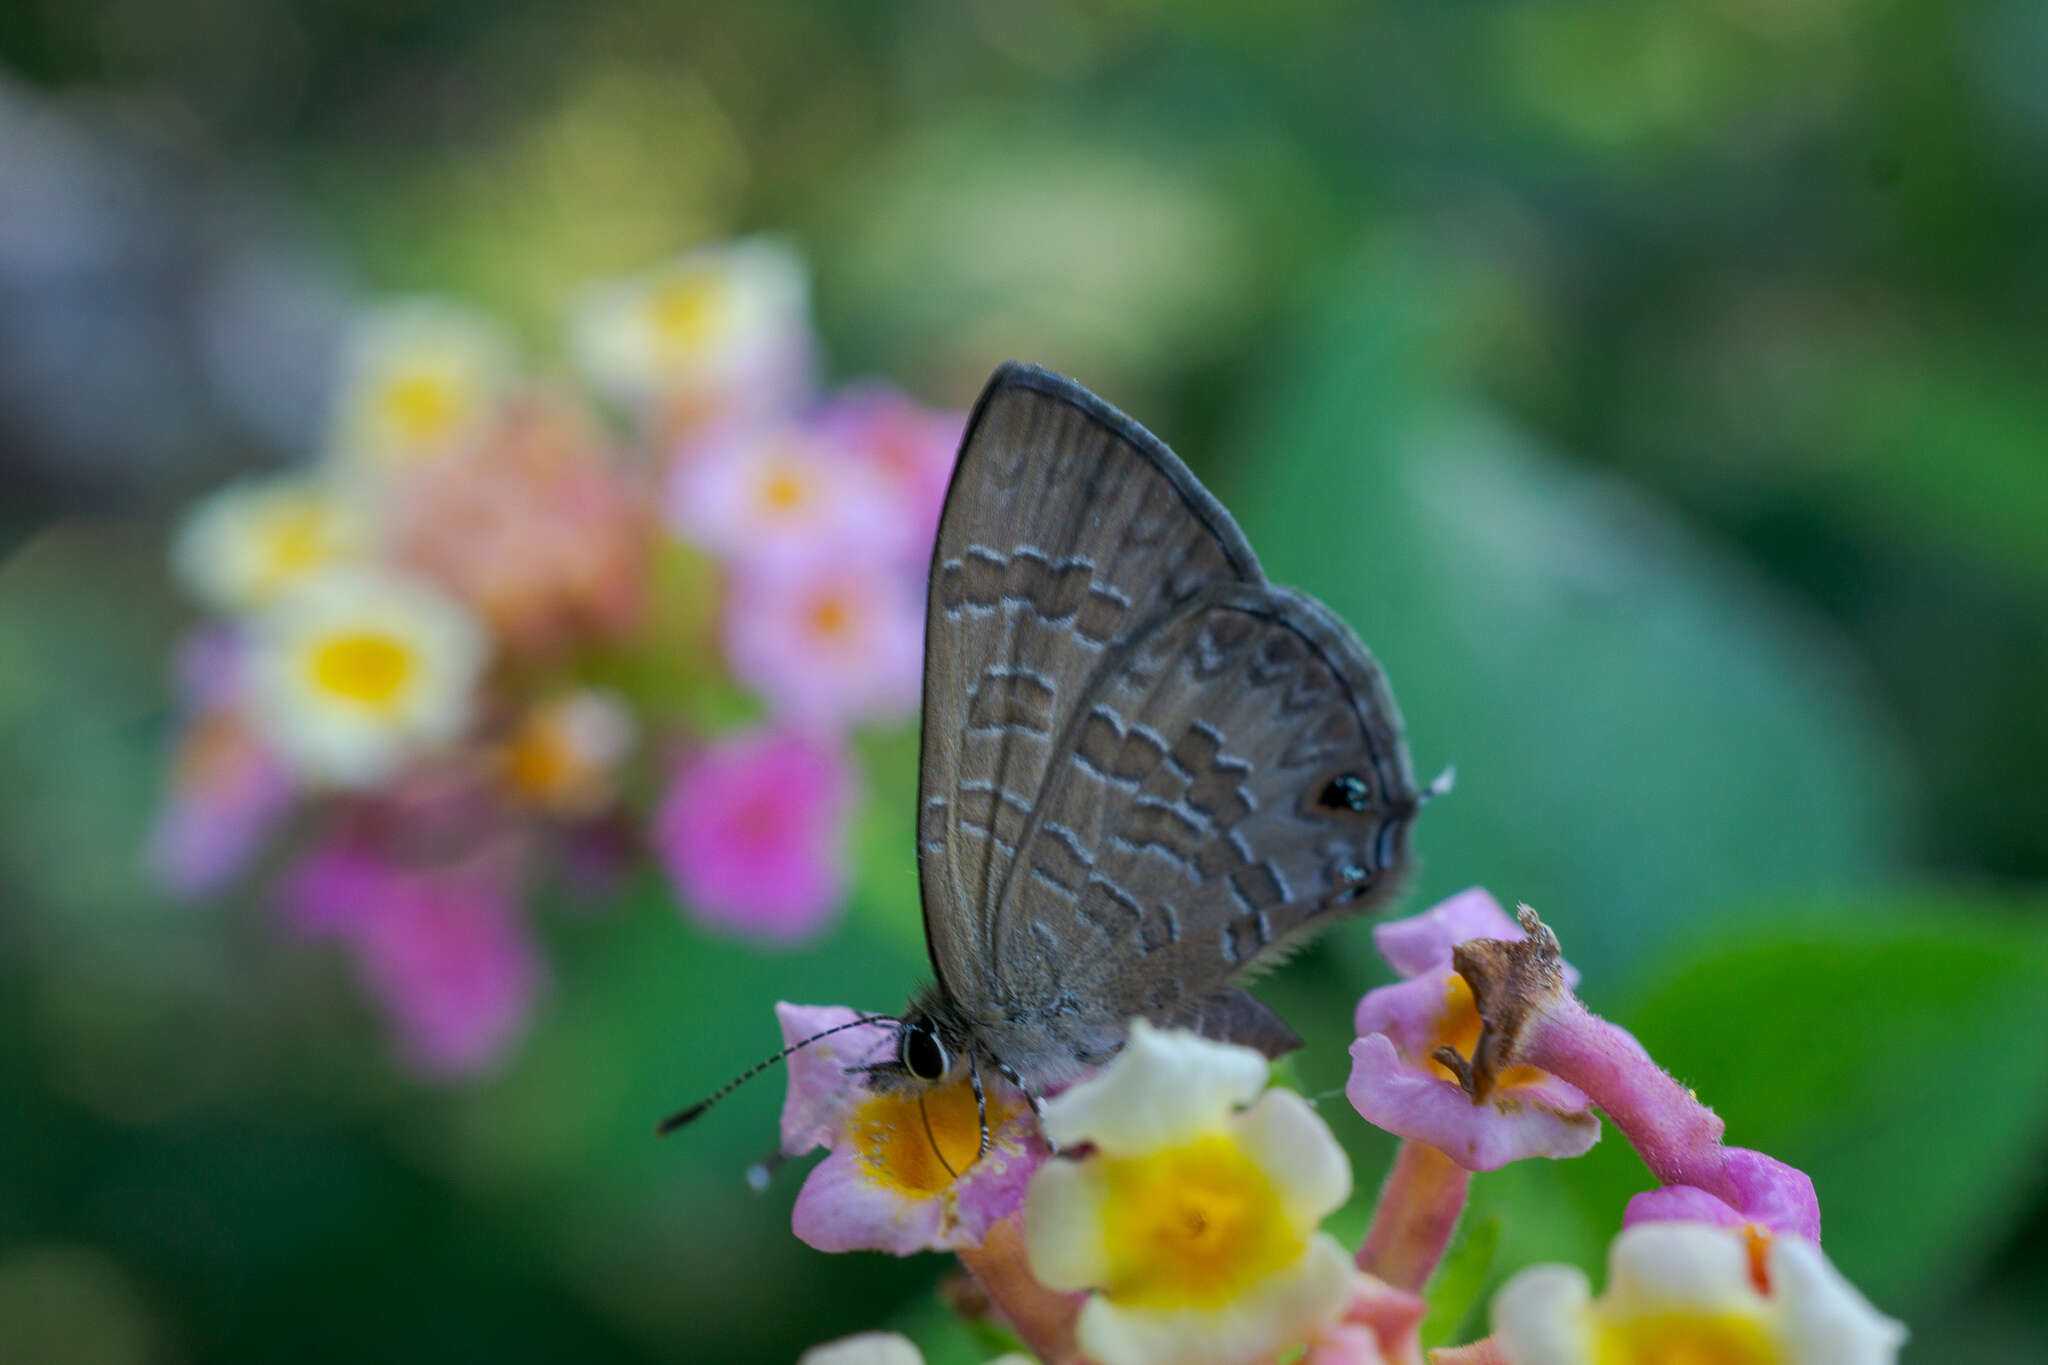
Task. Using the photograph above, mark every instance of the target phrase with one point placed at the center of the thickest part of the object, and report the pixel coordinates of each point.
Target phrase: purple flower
(227, 790)
(753, 833)
(444, 950)
(227, 794)
(902, 1173)
(1397, 1082)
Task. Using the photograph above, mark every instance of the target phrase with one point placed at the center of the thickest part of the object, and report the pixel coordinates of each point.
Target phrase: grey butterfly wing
(1068, 531)
(1234, 779)
(1235, 1016)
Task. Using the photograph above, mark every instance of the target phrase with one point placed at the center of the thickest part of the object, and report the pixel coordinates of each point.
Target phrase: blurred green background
(1657, 387)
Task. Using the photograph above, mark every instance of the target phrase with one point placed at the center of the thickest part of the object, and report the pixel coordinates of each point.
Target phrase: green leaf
(1461, 1277)
(1645, 739)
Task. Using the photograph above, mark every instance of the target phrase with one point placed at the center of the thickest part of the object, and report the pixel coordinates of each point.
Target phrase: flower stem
(1418, 1210)
(1044, 1318)
(1678, 1138)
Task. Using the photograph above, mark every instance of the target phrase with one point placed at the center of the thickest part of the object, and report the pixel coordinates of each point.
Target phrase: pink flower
(1396, 1082)
(913, 448)
(902, 1173)
(1532, 1025)
(828, 639)
(753, 833)
(1382, 1326)
(1767, 1193)
(539, 529)
(443, 950)
(760, 493)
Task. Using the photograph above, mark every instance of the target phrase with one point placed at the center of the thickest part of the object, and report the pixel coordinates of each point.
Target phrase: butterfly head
(921, 1052)
(932, 1044)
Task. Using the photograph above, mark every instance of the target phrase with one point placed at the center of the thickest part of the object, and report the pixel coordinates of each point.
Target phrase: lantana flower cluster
(1168, 1210)
(504, 628)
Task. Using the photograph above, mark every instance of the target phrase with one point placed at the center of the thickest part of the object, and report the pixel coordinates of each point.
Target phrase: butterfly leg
(1031, 1097)
(980, 1105)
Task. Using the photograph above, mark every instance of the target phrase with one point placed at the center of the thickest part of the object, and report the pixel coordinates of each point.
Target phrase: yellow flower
(421, 380)
(1698, 1294)
(249, 542)
(1194, 1221)
(354, 671)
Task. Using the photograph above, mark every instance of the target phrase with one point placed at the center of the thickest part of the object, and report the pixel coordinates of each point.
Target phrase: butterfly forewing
(1232, 778)
(1068, 532)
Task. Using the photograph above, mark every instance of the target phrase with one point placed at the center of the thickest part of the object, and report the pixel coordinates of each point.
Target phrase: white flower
(712, 323)
(356, 670)
(865, 1348)
(1193, 1221)
(1690, 1291)
(248, 542)
(880, 1348)
(421, 380)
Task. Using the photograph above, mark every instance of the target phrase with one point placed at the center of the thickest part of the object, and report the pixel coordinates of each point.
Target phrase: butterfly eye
(1347, 791)
(923, 1055)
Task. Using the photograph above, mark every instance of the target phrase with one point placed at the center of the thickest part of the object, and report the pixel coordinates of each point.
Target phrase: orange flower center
(539, 765)
(916, 1142)
(1756, 1241)
(830, 616)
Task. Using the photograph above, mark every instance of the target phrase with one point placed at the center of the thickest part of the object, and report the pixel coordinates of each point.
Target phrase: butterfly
(1146, 772)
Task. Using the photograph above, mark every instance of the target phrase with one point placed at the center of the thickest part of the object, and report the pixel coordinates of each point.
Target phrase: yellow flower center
(1686, 1339)
(296, 538)
(908, 1139)
(685, 312)
(366, 667)
(1458, 1028)
(423, 408)
(1192, 1226)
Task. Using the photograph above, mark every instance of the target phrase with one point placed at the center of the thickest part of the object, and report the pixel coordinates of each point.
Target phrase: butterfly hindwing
(1232, 780)
(1068, 532)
